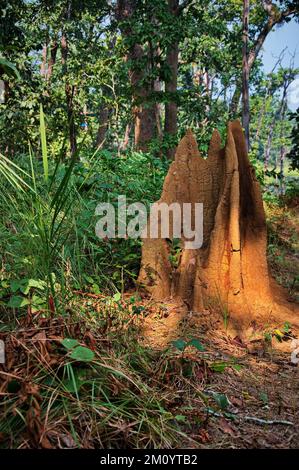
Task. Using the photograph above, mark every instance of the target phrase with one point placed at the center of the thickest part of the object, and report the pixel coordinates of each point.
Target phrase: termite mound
(229, 272)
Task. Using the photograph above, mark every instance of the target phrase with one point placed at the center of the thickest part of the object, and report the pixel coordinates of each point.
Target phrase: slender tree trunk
(235, 101)
(245, 73)
(282, 152)
(171, 109)
(274, 18)
(43, 65)
(52, 60)
(260, 121)
(263, 109)
(207, 83)
(269, 144)
(143, 110)
(70, 91)
(103, 126)
(157, 89)
(126, 139)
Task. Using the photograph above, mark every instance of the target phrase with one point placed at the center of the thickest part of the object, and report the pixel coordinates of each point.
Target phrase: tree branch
(274, 17)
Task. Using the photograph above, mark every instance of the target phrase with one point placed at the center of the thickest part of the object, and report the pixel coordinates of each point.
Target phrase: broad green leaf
(15, 285)
(16, 301)
(80, 353)
(218, 366)
(117, 297)
(221, 400)
(179, 344)
(9, 68)
(24, 285)
(197, 344)
(180, 418)
(69, 343)
(237, 367)
(264, 397)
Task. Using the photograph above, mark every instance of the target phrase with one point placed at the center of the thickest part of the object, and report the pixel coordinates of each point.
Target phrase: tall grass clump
(48, 223)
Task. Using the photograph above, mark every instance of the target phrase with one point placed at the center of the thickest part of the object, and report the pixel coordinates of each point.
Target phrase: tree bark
(274, 17)
(103, 126)
(282, 152)
(52, 60)
(70, 91)
(171, 109)
(263, 109)
(279, 116)
(245, 73)
(126, 139)
(144, 112)
(172, 60)
(43, 65)
(269, 144)
(235, 101)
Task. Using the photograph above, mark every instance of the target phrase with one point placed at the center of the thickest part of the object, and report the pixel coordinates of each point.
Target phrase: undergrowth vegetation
(48, 218)
(81, 378)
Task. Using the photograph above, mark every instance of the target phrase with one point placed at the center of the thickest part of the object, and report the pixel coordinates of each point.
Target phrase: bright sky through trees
(286, 36)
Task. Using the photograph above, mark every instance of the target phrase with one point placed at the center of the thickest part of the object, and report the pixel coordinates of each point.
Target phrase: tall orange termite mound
(229, 272)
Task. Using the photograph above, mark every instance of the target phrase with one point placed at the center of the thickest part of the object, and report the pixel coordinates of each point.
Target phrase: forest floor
(260, 396)
(218, 392)
(161, 376)
(255, 386)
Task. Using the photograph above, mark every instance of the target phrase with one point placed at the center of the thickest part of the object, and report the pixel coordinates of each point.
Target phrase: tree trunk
(282, 152)
(282, 155)
(171, 109)
(279, 116)
(70, 91)
(275, 17)
(144, 112)
(235, 101)
(52, 60)
(245, 73)
(269, 145)
(103, 126)
(126, 138)
(43, 65)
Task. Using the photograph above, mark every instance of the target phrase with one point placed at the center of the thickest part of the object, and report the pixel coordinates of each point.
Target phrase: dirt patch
(249, 391)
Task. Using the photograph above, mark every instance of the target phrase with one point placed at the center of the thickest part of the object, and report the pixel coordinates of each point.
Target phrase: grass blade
(44, 143)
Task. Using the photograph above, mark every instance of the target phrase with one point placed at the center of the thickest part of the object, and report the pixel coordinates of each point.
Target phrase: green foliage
(51, 228)
(294, 152)
(181, 344)
(65, 65)
(9, 68)
(208, 34)
(221, 400)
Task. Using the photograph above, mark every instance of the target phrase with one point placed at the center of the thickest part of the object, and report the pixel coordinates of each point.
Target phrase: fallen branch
(266, 421)
(252, 418)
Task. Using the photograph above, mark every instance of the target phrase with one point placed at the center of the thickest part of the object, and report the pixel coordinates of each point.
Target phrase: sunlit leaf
(80, 353)
(69, 343)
